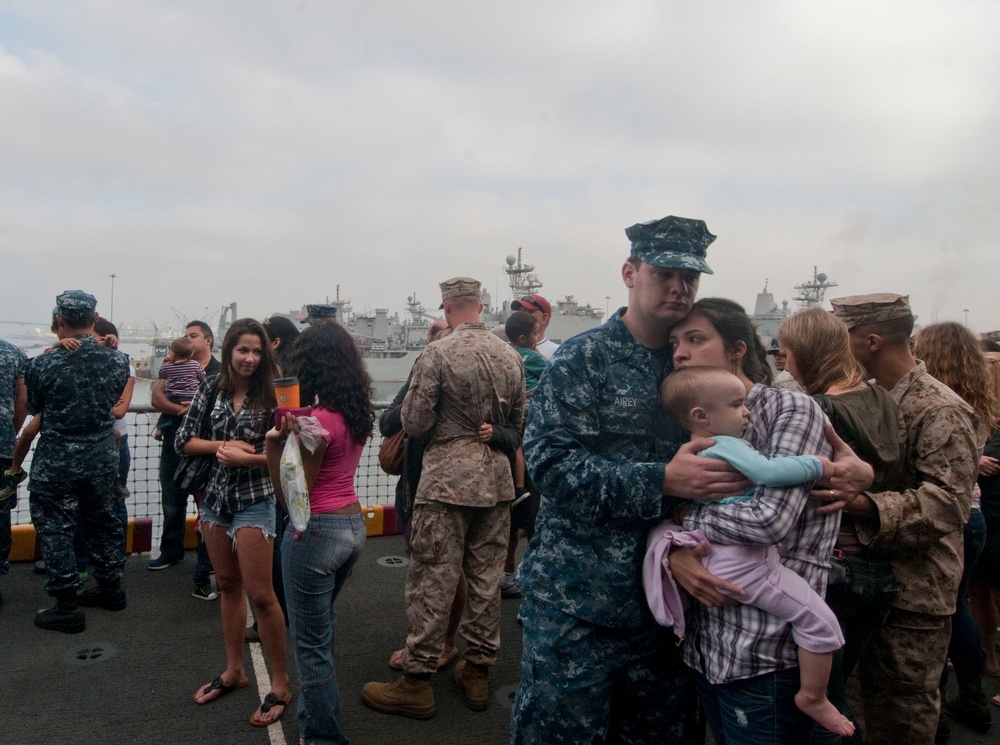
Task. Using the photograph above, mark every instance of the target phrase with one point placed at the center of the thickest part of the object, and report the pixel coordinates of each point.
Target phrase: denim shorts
(259, 515)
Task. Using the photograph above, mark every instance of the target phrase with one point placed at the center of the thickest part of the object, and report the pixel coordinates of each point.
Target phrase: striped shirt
(738, 642)
(230, 490)
(182, 379)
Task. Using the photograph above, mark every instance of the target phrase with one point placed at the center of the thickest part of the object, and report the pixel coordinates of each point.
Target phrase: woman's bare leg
(232, 607)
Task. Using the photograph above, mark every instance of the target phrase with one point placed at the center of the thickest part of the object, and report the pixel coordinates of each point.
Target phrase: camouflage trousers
(900, 674)
(5, 533)
(584, 683)
(56, 509)
(450, 541)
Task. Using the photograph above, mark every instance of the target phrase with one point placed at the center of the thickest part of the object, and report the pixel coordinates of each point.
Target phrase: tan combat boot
(474, 680)
(409, 696)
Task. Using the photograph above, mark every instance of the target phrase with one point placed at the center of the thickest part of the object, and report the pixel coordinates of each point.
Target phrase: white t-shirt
(546, 348)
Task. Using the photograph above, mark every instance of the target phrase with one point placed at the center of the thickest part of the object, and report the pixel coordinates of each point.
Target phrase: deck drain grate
(91, 653)
(392, 561)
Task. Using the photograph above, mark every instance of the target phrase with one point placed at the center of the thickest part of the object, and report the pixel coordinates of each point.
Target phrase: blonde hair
(951, 353)
(822, 349)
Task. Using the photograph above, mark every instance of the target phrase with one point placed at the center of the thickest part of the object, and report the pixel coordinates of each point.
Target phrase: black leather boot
(109, 597)
(66, 617)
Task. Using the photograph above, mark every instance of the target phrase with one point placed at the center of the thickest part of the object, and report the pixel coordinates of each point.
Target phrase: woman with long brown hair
(744, 661)
(237, 513)
(951, 353)
(984, 590)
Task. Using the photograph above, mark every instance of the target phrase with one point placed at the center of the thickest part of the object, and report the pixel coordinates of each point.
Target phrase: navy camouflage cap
(672, 242)
(861, 310)
(318, 312)
(76, 306)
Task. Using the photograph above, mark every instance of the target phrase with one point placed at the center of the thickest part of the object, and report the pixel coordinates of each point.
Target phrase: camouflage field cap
(459, 287)
(860, 310)
(672, 242)
(76, 306)
(318, 312)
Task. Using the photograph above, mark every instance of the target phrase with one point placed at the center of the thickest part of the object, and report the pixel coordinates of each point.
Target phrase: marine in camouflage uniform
(461, 513)
(12, 414)
(73, 475)
(919, 527)
(595, 665)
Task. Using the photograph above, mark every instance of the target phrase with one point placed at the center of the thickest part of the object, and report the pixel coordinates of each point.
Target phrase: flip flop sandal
(269, 702)
(218, 685)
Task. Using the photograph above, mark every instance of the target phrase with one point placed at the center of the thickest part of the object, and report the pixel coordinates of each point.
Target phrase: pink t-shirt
(334, 487)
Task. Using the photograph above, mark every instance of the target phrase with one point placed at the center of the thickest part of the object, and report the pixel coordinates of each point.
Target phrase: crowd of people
(795, 560)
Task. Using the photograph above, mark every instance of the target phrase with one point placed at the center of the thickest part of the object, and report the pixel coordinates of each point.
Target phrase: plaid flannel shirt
(738, 642)
(230, 490)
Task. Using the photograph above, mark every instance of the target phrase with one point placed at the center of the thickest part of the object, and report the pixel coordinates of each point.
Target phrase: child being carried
(183, 374)
(709, 402)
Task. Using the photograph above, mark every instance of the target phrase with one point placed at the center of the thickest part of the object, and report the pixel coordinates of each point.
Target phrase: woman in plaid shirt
(745, 659)
(237, 512)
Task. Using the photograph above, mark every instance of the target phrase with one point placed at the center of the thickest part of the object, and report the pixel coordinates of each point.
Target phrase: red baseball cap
(532, 302)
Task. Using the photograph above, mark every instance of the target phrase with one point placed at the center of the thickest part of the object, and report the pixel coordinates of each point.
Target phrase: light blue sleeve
(787, 470)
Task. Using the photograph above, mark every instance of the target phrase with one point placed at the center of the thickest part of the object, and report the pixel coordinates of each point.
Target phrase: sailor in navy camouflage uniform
(595, 666)
(13, 411)
(73, 474)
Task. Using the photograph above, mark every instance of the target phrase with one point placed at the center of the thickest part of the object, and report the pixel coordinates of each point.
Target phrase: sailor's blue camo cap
(672, 242)
(76, 305)
(316, 312)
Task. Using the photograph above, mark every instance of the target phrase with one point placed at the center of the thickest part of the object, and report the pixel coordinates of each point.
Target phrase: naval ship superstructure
(390, 344)
(768, 315)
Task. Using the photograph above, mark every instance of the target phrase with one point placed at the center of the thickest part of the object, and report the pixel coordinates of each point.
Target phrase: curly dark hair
(330, 370)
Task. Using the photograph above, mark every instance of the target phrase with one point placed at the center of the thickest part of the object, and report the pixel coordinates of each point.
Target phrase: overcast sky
(267, 152)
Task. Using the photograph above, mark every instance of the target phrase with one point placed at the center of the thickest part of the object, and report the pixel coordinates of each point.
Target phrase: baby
(183, 374)
(708, 402)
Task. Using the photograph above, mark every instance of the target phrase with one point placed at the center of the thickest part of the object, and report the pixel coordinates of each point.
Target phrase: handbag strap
(206, 415)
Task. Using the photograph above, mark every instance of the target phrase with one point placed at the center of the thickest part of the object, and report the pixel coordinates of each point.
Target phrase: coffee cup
(286, 391)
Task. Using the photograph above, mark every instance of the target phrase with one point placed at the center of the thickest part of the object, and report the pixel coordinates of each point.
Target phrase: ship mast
(522, 281)
(812, 292)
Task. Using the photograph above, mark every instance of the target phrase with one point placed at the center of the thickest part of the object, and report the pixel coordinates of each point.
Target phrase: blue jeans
(315, 564)
(966, 647)
(755, 711)
(172, 500)
(860, 595)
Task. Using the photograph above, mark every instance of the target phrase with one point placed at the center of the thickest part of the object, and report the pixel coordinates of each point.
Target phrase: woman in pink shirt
(318, 560)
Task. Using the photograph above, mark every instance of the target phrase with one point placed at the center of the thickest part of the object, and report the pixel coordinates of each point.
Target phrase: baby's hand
(71, 344)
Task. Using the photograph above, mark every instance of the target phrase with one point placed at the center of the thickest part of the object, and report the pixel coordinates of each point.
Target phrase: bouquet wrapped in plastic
(292, 473)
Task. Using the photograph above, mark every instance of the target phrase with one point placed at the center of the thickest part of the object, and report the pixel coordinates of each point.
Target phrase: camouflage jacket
(920, 527)
(458, 383)
(74, 393)
(596, 445)
(12, 365)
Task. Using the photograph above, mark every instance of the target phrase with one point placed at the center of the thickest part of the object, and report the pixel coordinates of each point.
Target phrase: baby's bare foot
(825, 713)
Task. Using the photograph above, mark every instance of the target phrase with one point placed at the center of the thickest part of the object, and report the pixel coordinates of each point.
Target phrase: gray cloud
(192, 149)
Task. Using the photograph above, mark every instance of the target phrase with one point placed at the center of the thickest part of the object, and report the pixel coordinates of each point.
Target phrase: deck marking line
(274, 731)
